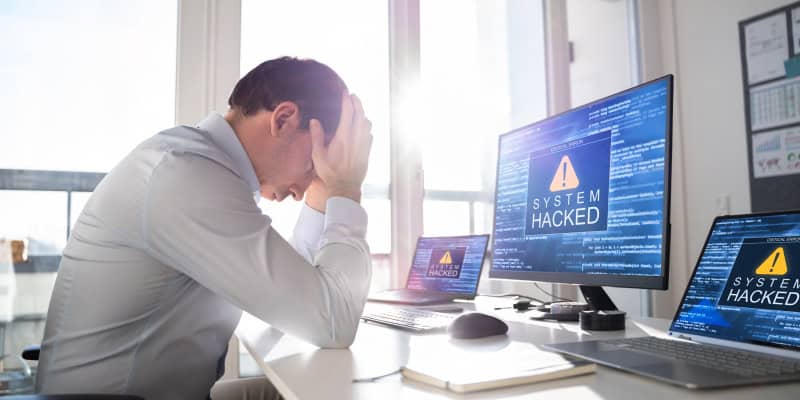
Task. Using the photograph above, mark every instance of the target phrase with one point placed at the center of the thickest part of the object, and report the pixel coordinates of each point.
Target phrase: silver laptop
(739, 320)
(444, 268)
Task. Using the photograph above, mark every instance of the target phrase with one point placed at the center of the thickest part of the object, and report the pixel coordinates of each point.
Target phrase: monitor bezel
(483, 260)
(741, 344)
(659, 282)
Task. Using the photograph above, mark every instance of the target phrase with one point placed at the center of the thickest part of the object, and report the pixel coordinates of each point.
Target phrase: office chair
(73, 397)
(31, 353)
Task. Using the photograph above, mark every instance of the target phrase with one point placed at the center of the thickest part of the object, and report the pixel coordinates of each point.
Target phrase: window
(466, 72)
(84, 81)
(350, 36)
(39, 216)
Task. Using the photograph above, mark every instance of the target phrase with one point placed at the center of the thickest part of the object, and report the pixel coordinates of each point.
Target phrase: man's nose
(296, 192)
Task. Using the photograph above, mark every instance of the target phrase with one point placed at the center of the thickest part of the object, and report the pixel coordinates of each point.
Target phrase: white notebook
(468, 366)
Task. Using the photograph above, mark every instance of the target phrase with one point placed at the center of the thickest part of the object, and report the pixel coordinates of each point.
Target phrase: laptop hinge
(684, 337)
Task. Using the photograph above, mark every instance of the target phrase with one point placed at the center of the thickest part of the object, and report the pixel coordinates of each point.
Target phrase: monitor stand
(603, 314)
(597, 298)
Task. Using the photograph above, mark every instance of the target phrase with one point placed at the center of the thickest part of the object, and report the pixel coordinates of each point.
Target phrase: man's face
(289, 169)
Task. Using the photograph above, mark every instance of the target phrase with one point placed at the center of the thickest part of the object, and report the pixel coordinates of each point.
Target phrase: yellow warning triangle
(565, 177)
(446, 258)
(775, 264)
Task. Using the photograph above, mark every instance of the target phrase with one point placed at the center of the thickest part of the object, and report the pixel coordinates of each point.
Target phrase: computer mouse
(476, 325)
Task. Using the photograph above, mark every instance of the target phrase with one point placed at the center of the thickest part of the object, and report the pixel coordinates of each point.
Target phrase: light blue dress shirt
(169, 250)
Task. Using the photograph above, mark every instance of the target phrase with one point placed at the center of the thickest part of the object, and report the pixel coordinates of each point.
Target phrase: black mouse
(476, 325)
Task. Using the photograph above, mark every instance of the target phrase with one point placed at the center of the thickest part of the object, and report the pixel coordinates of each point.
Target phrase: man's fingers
(317, 136)
(366, 125)
(358, 108)
(359, 117)
(346, 117)
(368, 143)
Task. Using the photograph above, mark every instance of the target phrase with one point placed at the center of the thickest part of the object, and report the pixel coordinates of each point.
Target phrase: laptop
(739, 320)
(444, 269)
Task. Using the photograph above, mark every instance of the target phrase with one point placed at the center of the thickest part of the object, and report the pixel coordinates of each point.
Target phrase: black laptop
(444, 269)
(739, 320)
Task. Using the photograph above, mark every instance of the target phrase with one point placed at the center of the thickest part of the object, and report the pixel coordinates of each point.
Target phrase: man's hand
(342, 164)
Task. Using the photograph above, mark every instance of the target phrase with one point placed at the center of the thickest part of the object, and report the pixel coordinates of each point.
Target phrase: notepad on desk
(488, 365)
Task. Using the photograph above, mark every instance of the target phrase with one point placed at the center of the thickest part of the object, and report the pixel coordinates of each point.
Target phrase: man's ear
(285, 118)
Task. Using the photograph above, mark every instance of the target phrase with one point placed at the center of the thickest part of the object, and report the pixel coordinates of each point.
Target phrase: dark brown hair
(313, 86)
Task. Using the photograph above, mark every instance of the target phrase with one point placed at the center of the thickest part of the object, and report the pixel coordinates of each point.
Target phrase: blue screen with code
(583, 192)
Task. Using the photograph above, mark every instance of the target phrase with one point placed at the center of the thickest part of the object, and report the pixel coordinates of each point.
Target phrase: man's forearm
(345, 271)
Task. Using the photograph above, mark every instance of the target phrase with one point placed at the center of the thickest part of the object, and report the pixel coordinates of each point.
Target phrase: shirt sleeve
(308, 232)
(200, 219)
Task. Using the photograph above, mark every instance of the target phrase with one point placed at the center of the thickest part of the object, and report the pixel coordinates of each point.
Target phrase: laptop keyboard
(720, 358)
(411, 319)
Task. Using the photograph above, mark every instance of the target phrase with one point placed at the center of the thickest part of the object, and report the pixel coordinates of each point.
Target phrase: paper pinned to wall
(767, 47)
(775, 104)
(796, 30)
(776, 153)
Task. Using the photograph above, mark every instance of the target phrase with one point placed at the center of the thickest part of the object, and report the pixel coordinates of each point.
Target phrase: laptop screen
(746, 286)
(448, 264)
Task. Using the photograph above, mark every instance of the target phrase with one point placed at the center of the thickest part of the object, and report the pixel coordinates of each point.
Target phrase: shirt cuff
(341, 211)
(310, 222)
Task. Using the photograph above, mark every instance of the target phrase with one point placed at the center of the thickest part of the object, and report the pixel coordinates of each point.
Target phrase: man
(171, 247)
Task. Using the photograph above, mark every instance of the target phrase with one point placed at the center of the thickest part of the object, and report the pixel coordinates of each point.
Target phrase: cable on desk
(524, 296)
(519, 305)
(550, 294)
(375, 378)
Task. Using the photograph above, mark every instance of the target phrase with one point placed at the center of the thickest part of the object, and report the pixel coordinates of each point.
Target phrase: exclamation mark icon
(774, 264)
(564, 177)
(774, 260)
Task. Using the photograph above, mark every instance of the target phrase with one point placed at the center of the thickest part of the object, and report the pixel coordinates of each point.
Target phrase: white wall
(598, 30)
(700, 40)
(600, 36)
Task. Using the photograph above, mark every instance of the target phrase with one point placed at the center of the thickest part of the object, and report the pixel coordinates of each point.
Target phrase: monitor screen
(746, 286)
(448, 264)
(583, 197)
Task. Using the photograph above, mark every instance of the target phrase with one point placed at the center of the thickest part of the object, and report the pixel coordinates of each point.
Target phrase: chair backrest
(74, 397)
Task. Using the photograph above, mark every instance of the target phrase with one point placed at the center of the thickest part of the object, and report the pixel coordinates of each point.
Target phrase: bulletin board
(770, 51)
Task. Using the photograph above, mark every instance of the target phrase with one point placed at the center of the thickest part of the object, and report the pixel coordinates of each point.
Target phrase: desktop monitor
(583, 197)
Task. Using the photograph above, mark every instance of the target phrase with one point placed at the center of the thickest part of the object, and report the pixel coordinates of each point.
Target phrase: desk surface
(302, 371)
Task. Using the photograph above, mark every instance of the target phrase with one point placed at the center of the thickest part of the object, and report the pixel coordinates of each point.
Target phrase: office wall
(599, 33)
(700, 45)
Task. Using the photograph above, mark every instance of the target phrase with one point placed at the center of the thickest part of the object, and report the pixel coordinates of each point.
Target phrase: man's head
(270, 111)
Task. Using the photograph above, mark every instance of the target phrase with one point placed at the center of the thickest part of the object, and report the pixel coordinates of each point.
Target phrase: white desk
(302, 371)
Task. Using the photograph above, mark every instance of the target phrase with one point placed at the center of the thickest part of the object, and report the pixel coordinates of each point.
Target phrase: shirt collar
(223, 136)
